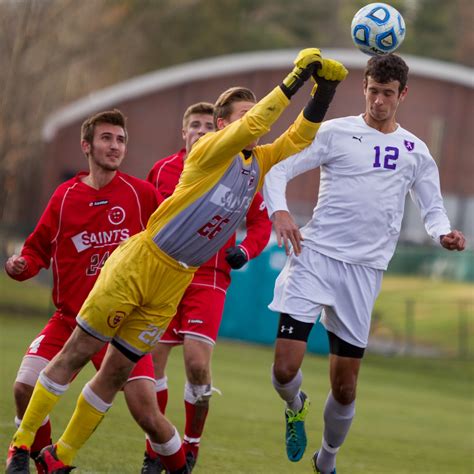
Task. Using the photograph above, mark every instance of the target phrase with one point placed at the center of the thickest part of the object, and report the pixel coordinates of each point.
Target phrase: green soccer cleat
(315, 467)
(295, 432)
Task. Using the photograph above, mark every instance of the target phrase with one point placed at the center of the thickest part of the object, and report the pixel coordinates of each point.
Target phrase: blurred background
(63, 60)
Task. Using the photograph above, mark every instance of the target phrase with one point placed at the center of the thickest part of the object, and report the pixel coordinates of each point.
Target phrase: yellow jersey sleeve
(219, 148)
(298, 136)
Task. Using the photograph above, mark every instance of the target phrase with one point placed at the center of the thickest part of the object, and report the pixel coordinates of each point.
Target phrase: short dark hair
(386, 68)
(205, 108)
(112, 117)
(223, 105)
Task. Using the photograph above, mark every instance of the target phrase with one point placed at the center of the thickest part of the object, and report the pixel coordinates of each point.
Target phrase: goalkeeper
(143, 281)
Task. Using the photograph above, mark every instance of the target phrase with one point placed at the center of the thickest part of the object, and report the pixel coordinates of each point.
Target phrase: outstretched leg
(340, 404)
(290, 348)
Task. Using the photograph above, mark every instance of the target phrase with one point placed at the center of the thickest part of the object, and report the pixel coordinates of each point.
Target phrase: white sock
(337, 422)
(290, 391)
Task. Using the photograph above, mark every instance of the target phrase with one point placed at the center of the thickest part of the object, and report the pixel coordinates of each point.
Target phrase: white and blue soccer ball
(378, 28)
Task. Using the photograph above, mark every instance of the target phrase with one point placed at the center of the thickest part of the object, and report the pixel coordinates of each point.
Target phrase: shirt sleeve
(163, 179)
(219, 148)
(259, 228)
(426, 194)
(151, 200)
(152, 175)
(276, 180)
(299, 135)
(37, 249)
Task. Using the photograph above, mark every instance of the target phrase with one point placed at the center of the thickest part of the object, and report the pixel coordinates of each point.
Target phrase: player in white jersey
(369, 163)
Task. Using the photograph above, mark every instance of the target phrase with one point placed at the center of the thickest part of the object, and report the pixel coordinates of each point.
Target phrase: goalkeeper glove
(305, 65)
(327, 78)
(236, 257)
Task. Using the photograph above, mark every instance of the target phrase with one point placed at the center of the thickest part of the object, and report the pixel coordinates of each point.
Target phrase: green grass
(24, 297)
(443, 312)
(439, 309)
(412, 415)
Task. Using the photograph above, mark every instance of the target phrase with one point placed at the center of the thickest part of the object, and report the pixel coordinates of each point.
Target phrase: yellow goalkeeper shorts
(135, 296)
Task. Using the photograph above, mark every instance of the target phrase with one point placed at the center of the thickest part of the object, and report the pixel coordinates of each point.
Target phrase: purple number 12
(391, 155)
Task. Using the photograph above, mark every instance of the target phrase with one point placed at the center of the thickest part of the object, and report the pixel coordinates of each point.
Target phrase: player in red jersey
(199, 315)
(87, 217)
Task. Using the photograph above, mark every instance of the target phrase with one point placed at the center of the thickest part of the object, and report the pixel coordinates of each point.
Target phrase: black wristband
(286, 91)
(317, 107)
(295, 87)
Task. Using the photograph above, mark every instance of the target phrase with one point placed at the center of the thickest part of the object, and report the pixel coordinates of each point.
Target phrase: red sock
(162, 398)
(149, 450)
(192, 448)
(175, 461)
(195, 419)
(42, 439)
(39, 468)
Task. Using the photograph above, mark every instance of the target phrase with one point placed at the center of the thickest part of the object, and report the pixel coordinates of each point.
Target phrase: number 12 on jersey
(391, 155)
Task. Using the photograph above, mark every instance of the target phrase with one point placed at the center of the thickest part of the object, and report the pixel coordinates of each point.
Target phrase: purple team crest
(410, 146)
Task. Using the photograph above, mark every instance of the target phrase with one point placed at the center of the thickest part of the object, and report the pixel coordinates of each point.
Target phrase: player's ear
(403, 94)
(364, 85)
(221, 123)
(86, 147)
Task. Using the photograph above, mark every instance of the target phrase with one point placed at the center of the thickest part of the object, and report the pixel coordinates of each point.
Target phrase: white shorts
(344, 293)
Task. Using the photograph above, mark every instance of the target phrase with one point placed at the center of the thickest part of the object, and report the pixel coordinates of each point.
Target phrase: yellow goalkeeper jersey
(218, 182)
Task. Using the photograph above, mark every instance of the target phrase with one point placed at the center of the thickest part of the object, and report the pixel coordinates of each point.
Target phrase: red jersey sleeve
(164, 175)
(37, 249)
(259, 228)
(150, 199)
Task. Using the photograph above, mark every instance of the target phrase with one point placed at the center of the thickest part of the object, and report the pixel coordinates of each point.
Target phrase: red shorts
(55, 334)
(199, 314)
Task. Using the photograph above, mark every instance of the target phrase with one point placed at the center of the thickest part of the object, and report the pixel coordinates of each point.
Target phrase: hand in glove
(236, 257)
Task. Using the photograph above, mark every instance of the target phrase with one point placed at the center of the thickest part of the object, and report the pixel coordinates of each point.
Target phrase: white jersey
(365, 177)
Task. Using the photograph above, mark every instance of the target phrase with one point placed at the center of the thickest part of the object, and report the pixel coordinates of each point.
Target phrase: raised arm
(302, 132)
(220, 147)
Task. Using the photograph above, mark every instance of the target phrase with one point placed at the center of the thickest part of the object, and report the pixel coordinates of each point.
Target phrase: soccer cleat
(315, 467)
(38, 465)
(51, 463)
(190, 460)
(18, 460)
(295, 432)
(152, 465)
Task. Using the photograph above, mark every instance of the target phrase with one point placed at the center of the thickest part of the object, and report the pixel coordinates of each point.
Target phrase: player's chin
(111, 166)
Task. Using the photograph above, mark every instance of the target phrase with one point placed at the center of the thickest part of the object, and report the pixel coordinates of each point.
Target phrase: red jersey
(79, 229)
(215, 272)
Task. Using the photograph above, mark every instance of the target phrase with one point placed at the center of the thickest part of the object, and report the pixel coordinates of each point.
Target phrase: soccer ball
(378, 28)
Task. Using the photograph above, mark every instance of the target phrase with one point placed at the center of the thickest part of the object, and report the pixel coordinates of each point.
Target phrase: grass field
(413, 415)
(443, 312)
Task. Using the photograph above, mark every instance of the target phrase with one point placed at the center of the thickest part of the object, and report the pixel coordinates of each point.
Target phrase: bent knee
(285, 372)
(344, 394)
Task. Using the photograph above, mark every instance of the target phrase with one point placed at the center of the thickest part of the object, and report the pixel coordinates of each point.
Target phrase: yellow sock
(41, 403)
(82, 424)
